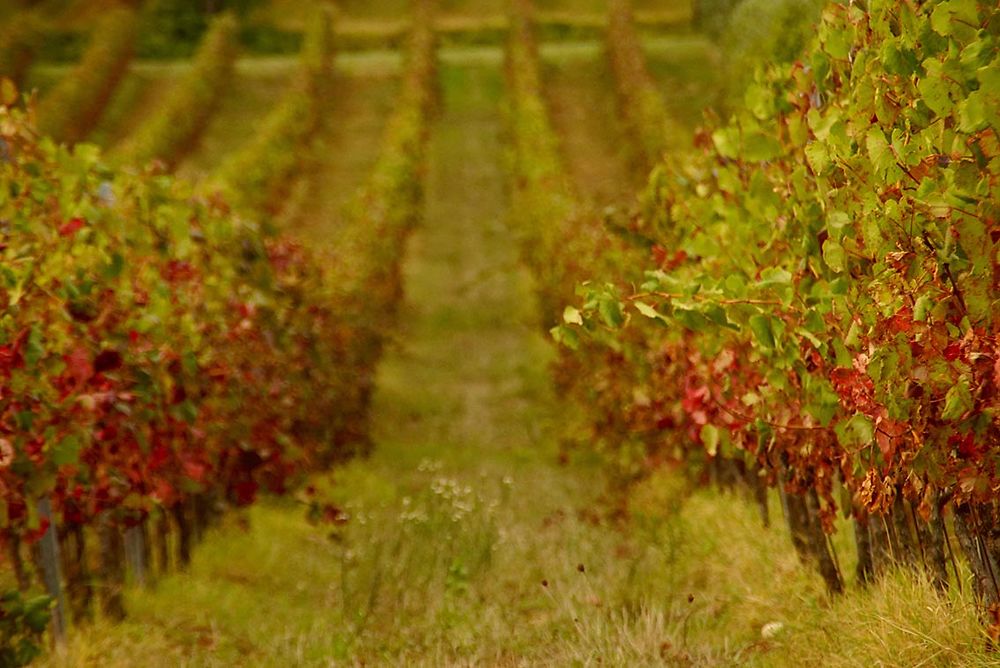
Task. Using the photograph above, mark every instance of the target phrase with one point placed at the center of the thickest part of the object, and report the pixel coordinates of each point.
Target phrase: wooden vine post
(112, 567)
(48, 549)
(135, 553)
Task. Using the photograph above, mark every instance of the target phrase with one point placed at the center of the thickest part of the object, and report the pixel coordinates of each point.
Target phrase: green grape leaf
(566, 336)
(710, 438)
(611, 312)
(934, 89)
(648, 311)
(66, 451)
(572, 316)
(921, 308)
(881, 155)
(759, 146)
(958, 401)
(834, 255)
(760, 325)
(818, 156)
(858, 431)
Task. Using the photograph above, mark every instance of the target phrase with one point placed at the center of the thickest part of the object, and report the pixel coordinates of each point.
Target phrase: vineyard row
(141, 322)
(815, 309)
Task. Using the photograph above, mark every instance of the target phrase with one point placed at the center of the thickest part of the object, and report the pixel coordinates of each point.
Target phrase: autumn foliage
(164, 354)
(139, 325)
(818, 311)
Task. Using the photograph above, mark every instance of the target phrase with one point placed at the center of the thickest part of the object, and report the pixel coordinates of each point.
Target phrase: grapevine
(146, 320)
(829, 255)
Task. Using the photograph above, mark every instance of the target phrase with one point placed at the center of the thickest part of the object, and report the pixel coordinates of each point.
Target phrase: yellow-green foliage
(73, 108)
(175, 130)
(258, 174)
(395, 185)
(561, 241)
(318, 50)
(19, 40)
(389, 204)
(558, 237)
(543, 198)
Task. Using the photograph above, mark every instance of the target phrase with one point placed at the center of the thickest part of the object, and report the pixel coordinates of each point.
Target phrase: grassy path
(462, 511)
(465, 512)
